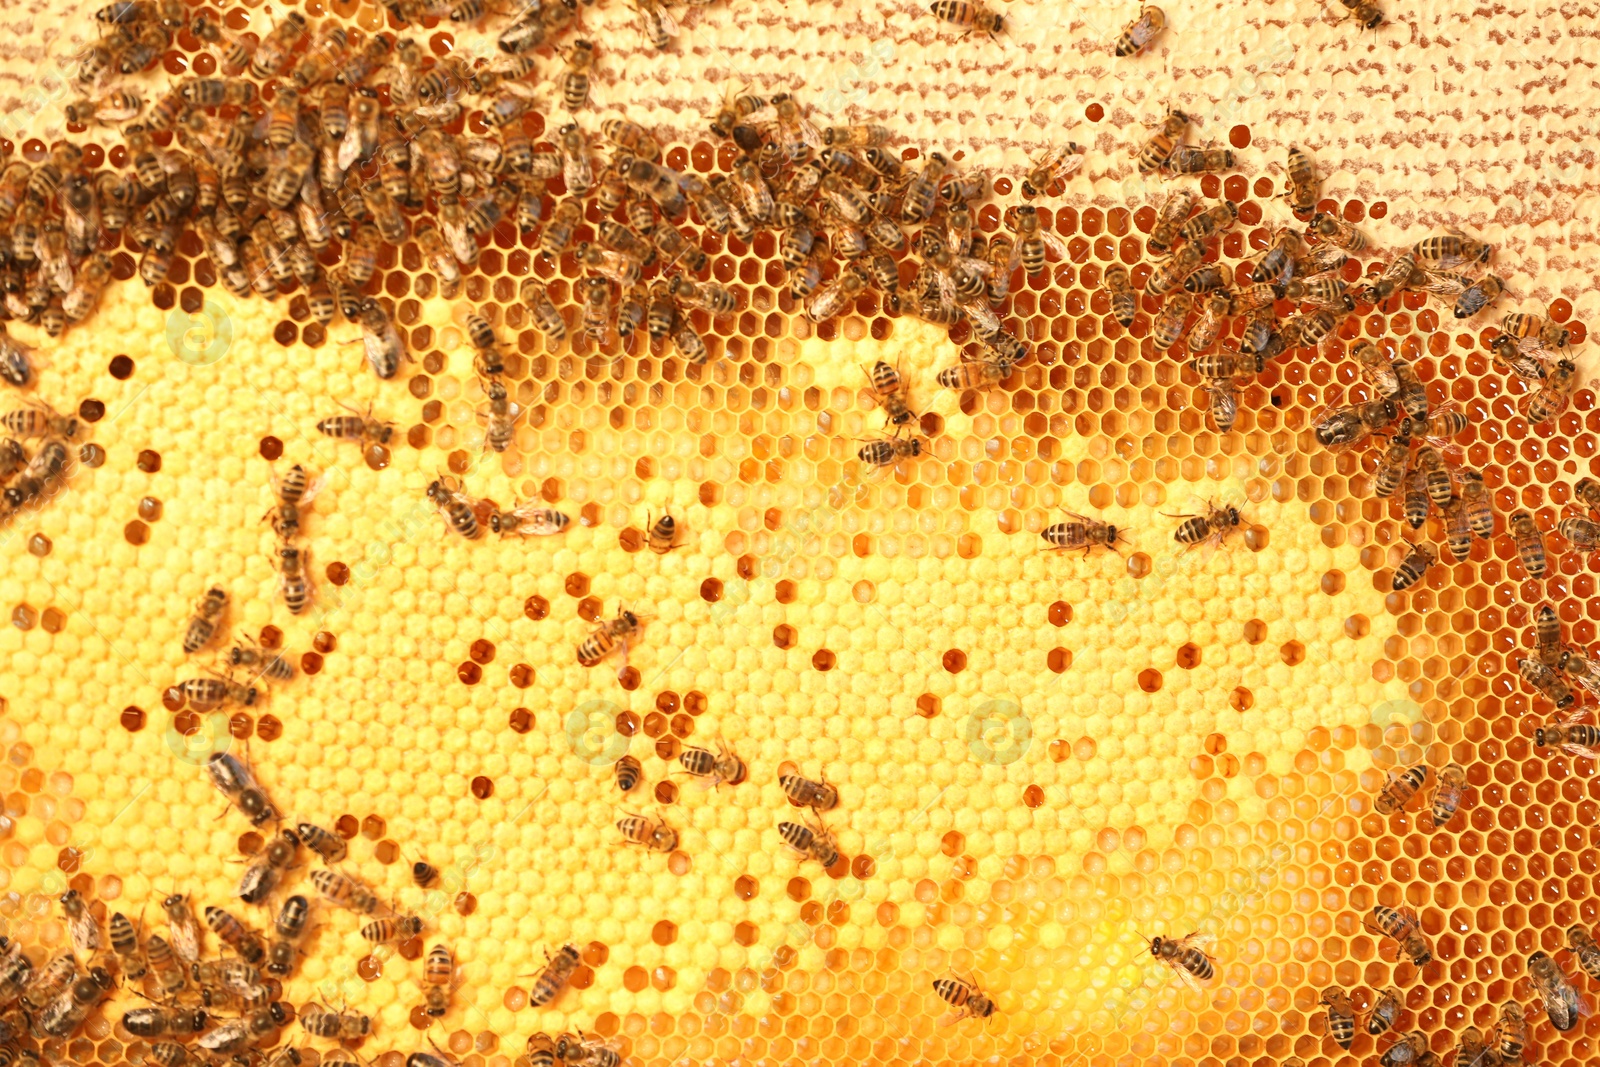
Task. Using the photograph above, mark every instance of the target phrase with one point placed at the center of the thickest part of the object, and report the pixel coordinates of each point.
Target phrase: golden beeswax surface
(1042, 757)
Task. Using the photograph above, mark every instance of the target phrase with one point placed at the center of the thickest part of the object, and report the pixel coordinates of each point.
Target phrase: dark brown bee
(1278, 260)
(888, 452)
(454, 506)
(1549, 682)
(1401, 924)
(1185, 955)
(158, 1022)
(262, 876)
(803, 792)
(1530, 543)
(554, 977)
(1414, 566)
(1082, 532)
(1400, 788)
(203, 624)
(654, 835)
(125, 943)
(1124, 303)
(1341, 1016)
(330, 846)
(661, 535)
(287, 928)
(1583, 946)
(1408, 1050)
(236, 935)
(357, 427)
(1214, 525)
(723, 766)
(1385, 1012)
(628, 772)
(966, 995)
(1583, 533)
(818, 844)
(346, 1026)
(1448, 793)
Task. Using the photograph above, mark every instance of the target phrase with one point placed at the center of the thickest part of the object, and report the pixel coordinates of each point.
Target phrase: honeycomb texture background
(1040, 757)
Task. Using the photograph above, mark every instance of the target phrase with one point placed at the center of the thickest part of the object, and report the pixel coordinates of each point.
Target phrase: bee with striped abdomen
(1385, 1012)
(966, 995)
(654, 834)
(1083, 532)
(1562, 1004)
(357, 427)
(557, 972)
(330, 846)
(1138, 34)
(611, 636)
(1213, 525)
(1414, 565)
(723, 766)
(203, 623)
(662, 535)
(1186, 956)
(1341, 1016)
(1530, 543)
(817, 843)
(805, 793)
(1451, 249)
(1159, 146)
(1119, 289)
(263, 876)
(1400, 788)
(1401, 925)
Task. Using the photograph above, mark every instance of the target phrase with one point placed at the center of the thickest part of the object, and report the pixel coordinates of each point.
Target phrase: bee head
(1540, 738)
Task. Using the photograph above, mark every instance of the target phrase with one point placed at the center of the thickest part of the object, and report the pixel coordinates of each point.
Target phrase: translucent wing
(1054, 243)
(313, 487)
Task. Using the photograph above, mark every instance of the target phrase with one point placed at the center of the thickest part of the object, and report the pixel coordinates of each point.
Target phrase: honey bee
(1476, 503)
(322, 1021)
(1400, 788)
(345, 892)
(1392, 466)
(1341, 1016)
(381, 342)
(661, 535)
(1209, 326)
(1587, 490)
(724, 766)
(1458, 532)
(70, 1008)
(130, 954)
(586, 1052)
(1583, 946)
(82, 927)
(573, 82)
(288, 927)
(1434, 475)
(1057, 164)
(501, 419)
(888, 389)
(1411, 1048)
(1301, 176)
(1277, 263)
(203, 623)
(1584, 534)
(545, 315)
(541, 1050)
(917, 200)
(610, 637)
(835, 296)
(1479, 295)
(164, 967)
(817, 844)
(1511, 1030)
(1530, 543)
(1401, 924)
(1170, 274)
(1186, 159)
(1343, 426)
(239, 784)
(158, 1022)
(263, 876)
(1581, 739)
(1552, 397)
(1208, 279)
(1561, 1002)
(1450, 250)
(1139, 33)
(39, 419)
(975, 374)
(1166, 330)
(1083, 532)
(1507, 356)
(1472, 1049)
(1124, 304)
(804, 793)
(1385, 1012)
(1547, 630)
(1531, 331)
(1214, 525)
(886, 452)
(1414, 566)
(654, 835)
(1155, 151)
(1209, 222)
(689, 343)
(1185, 955)
(558, 969)
(1323, 292)
(236, 935)
(1033, 242)
(55, 978)
(1336, 231)
(1547, 681)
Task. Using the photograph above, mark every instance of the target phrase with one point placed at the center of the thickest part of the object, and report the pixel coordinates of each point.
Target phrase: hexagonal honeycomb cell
(1043, 760)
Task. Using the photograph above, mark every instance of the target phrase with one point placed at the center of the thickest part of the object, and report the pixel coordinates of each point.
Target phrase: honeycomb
(1041, 757)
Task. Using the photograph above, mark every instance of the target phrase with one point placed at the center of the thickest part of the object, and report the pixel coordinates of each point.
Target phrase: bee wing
(313, 487)
(1198, 940)
(1053, 243)
(1184, 976)
(668, 24)
(947, 287)
(811, 135)
(763, 116)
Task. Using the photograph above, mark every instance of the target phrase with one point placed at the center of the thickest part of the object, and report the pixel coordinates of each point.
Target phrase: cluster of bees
(29, 479)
